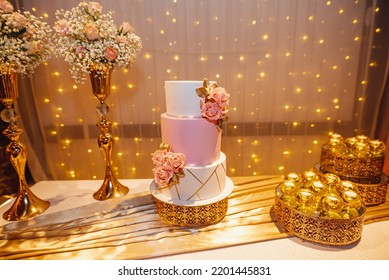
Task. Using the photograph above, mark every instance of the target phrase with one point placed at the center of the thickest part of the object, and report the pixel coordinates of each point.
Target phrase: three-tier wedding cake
(190, 184)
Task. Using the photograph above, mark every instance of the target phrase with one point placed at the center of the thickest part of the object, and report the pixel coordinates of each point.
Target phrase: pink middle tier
(198, 139)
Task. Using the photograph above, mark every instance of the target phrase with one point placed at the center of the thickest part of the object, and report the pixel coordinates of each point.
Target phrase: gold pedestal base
(192, 216)
(110, 188)
(320, 230)
(26, 205)
(192, 213)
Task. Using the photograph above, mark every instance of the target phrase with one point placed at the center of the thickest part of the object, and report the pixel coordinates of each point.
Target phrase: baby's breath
(24, 40)
(86, 37)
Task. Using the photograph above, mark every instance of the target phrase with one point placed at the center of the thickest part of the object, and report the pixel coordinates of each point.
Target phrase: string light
(269, 77)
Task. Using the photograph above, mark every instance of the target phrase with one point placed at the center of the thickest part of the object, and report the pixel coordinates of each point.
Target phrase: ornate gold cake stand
(192, 213)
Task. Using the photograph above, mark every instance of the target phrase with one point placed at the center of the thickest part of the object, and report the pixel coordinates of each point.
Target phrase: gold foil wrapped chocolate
(358, 146)
(336, 143)
(320, 194)
(377, 147)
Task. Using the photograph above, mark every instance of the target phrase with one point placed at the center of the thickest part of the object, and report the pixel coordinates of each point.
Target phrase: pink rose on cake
(175, 161)
(214, 102)
(211, 110)
(162, 175)
(168, 166)
(220, 96)
(159, 157)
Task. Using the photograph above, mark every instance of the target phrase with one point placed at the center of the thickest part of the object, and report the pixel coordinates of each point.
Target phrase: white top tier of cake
(182, 100)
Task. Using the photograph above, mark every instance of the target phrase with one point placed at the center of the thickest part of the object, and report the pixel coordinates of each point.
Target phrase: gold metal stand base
(192, 214)
(100, 77)
(110, 188)
(26, 205)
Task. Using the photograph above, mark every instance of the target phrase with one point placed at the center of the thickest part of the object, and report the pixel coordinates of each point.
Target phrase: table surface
(374, 244)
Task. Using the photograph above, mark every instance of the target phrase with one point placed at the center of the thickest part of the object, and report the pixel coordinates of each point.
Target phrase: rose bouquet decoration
(25, 40)
(86, 37)
(168, 166)
(214, 103)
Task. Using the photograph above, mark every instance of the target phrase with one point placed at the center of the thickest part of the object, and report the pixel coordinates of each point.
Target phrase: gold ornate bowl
(365, 170)
(322, 230)
(371, 193)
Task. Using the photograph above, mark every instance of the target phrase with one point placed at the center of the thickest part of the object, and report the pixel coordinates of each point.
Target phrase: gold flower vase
(26, 204)
(100, 77)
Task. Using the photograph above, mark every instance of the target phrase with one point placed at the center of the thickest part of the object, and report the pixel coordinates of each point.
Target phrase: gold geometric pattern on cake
(321, 230)
(203, 184)
(192, 216)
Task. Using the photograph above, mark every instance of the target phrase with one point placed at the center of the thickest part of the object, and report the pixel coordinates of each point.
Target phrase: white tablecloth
(374, 244)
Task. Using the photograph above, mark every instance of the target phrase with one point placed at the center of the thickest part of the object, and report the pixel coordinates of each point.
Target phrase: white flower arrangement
(86, 37)
(25, 40)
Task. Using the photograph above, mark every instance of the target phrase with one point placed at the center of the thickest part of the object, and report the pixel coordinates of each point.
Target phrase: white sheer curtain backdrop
(296, 70)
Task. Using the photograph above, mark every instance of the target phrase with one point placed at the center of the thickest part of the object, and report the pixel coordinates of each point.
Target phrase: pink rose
(17, 21)
(125, 28)
(121, 39)
(110, 53)
(94, 8)
(33, 47)
(81, 51)
(91, 31)
(175, 161)
(162, 176)
(159, 157)
(220, 96)
(211, 110)
(62, 26)
(6, 7)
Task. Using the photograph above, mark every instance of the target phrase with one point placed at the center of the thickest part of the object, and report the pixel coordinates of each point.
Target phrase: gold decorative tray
(363, 170)
(320, 208)
(371, 193)
(317, 229)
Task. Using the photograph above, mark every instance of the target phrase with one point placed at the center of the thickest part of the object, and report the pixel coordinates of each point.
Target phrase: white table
(374, 244)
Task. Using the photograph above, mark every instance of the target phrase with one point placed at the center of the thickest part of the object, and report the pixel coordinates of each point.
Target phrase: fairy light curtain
(296, 70)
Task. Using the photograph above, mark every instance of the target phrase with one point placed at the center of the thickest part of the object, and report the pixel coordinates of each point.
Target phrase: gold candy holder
(100, 77)
(322, 230)
(364, 170)
(192, 214)
(371, 194)
(26, 204)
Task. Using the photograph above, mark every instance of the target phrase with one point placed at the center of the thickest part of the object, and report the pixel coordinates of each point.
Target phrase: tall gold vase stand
(26, 204)
(100, 77)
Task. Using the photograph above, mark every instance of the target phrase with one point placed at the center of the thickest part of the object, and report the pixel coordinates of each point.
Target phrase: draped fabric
(129, 227)
(296, 71)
